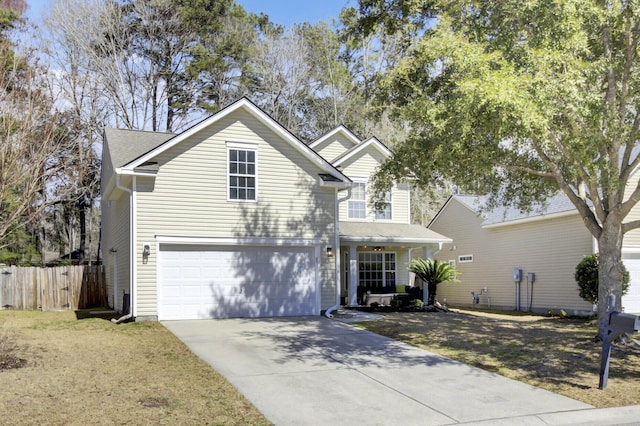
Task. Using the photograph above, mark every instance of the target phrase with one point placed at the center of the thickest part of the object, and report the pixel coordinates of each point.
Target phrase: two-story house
(236, 217)
(376, 246)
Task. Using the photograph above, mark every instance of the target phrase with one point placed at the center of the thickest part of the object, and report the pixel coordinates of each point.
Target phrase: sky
(284, 12)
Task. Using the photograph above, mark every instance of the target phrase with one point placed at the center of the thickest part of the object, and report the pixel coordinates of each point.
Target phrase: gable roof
(373, 142)
(556, 206)
(123, 145)
(245, 104)
(340, 129)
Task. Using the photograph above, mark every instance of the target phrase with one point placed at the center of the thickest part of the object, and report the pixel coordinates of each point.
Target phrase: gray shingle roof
(384, 232)
(556, 204)
(126, 145)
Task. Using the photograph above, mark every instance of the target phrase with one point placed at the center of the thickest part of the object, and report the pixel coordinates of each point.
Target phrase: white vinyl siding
(189, 199)
(550, 248)
(364, 165)
(632, 238)
(333, 147)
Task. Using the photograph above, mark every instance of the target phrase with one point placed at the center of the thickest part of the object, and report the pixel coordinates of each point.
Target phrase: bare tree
(283, 76)
(30, 134)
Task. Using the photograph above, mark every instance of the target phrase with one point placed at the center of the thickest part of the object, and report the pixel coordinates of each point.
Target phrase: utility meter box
(626, 323)
(517, 275)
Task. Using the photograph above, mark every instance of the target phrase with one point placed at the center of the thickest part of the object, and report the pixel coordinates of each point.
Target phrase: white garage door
(631, 301)
(198, 282)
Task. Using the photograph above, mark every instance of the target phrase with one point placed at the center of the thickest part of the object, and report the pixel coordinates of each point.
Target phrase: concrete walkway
(316, 371)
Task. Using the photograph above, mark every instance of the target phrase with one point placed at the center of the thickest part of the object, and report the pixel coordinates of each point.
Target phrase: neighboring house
(549, 242)
(376, 246)
(236, 217)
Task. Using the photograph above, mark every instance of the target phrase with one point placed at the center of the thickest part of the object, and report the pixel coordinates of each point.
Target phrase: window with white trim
(385, 213)
(376, 269)
(357, 204)
(242, 174)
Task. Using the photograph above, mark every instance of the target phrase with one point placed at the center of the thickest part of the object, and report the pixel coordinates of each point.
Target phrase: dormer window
(357, 204)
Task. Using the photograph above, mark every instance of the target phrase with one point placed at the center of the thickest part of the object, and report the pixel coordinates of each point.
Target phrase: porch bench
(384, 299)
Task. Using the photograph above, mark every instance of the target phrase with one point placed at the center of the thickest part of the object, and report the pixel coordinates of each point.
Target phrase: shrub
(433, 272)
(587, 278)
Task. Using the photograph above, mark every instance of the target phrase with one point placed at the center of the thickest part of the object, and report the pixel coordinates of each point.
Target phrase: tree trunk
(83, 229)
(610, 272)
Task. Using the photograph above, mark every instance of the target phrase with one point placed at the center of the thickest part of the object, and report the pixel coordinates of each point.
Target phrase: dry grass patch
(91, 371)
(551, 353)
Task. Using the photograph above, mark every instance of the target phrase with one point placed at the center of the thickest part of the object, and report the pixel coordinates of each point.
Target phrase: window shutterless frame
(357, 203)
(387, 213)
(242, 172)
(377, 269)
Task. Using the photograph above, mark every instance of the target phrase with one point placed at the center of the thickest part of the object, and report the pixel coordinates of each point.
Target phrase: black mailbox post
(619, 323)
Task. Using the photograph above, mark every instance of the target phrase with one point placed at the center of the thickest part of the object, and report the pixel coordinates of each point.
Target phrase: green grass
(92, 371)
(552, 353)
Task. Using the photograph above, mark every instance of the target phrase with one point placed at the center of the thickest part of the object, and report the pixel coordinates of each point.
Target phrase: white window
(242, 174)
(465, 258)
(357, 204)
(385, 214)
(376, 269)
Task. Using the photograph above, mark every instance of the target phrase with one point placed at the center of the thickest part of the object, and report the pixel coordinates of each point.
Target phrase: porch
(375, 257)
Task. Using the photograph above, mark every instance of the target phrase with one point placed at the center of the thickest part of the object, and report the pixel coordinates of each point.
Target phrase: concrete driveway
(316, 371)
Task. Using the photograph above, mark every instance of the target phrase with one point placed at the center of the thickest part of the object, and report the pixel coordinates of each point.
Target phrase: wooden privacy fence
(52, 289)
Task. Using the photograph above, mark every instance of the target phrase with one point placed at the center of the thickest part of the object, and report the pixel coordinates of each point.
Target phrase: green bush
(417, 303)
(587, 278)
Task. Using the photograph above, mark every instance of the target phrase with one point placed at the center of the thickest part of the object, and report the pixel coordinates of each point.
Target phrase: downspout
(131, 254)
(338, 254)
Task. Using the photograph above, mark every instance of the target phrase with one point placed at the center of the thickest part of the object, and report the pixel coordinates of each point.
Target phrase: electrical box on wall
(531, 276)
(517, 275)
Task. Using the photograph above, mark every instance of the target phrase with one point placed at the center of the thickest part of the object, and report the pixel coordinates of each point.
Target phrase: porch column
(353, 275)
(426, 254)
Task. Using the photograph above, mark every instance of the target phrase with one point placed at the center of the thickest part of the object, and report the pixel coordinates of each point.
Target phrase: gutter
(338, 255)
(131, 252)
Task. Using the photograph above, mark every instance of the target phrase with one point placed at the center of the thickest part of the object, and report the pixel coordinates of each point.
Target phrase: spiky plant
(433, 272)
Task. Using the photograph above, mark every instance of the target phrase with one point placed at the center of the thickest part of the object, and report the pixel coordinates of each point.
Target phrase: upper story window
(385, 214)
(242, 172)
(357, 204)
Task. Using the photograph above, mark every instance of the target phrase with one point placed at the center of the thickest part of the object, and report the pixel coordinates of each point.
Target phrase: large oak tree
(519, 100)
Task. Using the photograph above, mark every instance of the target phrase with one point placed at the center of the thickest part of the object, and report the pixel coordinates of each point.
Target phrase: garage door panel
(200, 282)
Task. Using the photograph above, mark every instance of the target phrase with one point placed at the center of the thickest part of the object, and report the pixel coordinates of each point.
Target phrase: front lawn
(91, 371)
(551, 353)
